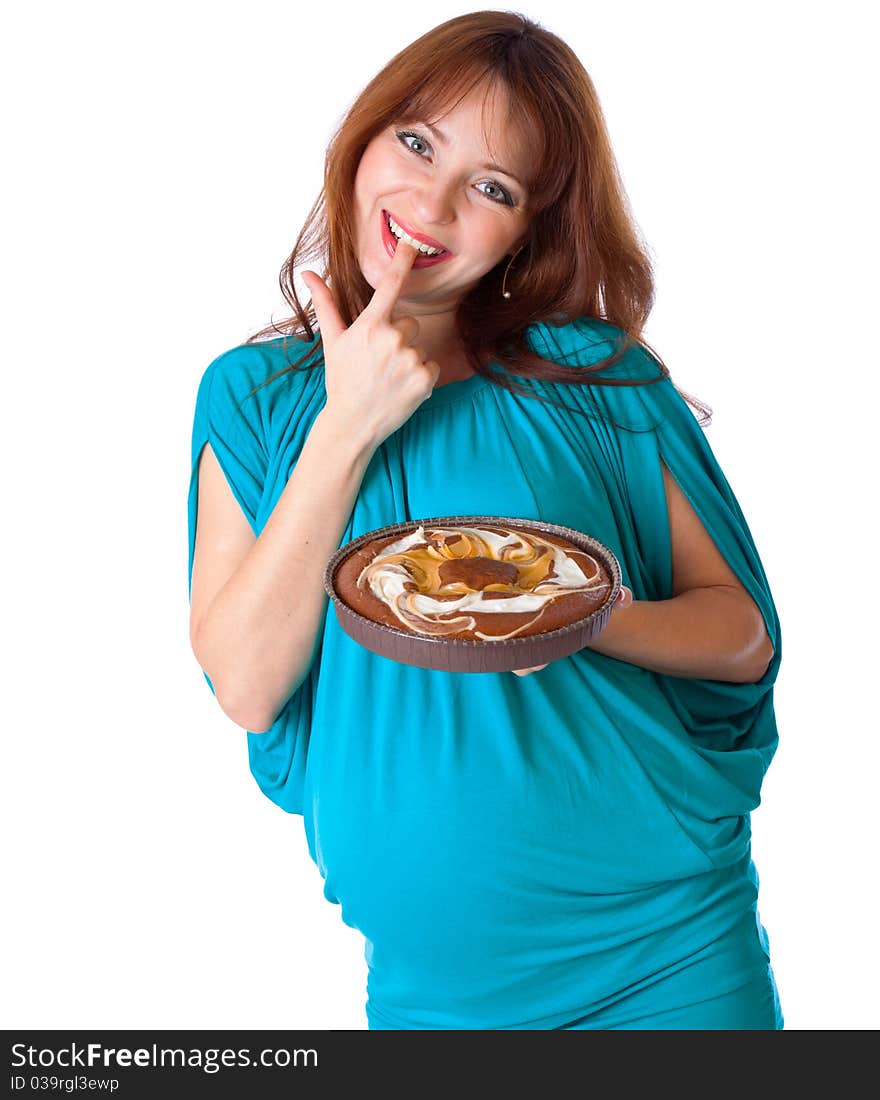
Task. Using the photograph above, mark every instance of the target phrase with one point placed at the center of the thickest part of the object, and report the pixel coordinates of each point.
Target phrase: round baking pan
(449, 654)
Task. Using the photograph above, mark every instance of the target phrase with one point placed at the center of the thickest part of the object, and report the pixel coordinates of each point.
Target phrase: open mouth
(392, 232)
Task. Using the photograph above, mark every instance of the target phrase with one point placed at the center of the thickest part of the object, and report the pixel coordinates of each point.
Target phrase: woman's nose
(434, 206)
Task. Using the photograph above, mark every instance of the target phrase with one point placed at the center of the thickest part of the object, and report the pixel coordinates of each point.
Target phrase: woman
(567, 847)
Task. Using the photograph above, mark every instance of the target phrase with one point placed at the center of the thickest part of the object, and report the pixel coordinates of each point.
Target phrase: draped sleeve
(256, 438)
(731, 726)
(733, 719)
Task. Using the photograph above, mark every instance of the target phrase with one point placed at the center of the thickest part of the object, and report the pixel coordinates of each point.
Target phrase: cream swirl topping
(426, 576)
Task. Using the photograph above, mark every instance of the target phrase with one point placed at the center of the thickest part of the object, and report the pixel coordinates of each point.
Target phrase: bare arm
(710, 629)
(707, 633)
(255, 634)
(257, 602)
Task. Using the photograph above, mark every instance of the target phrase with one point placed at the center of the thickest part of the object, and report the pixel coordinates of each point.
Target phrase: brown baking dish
(453, 654)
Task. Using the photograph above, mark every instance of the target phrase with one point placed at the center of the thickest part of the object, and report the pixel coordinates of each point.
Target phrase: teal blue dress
(566, 850)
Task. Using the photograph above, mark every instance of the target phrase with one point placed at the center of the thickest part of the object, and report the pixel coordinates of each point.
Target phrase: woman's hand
(374, 373)
(624, 599)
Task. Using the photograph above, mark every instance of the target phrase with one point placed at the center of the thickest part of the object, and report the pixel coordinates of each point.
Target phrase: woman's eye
(501, 195)
(405, 136)
(402, 136)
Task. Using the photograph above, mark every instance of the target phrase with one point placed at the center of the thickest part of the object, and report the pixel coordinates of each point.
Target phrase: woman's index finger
(391, 283)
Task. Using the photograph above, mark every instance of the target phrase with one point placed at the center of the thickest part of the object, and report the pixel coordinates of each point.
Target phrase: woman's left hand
(624, 599)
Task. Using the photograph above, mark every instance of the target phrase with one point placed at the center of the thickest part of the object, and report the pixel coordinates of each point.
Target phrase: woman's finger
(330, 321)
(391, 284)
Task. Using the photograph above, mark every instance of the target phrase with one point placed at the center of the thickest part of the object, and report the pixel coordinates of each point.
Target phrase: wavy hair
(582, 255)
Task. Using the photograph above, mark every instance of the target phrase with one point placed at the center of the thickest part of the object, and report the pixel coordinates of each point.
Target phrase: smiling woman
(569, 847)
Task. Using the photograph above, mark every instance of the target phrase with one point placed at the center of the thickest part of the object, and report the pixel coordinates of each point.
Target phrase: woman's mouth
(390, 238)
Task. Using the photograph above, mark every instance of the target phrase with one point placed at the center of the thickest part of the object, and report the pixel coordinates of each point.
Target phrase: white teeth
(403, 236)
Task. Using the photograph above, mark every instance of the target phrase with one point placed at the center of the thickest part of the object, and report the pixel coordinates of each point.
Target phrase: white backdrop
(161, 159)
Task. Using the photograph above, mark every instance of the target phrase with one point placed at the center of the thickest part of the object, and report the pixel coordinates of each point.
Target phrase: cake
(480, 583)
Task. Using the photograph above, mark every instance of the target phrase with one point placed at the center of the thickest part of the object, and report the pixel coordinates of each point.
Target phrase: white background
(161, 159)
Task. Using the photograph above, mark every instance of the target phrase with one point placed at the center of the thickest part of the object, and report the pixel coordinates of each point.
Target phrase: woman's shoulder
(585, 341)
(248, 365)
(637, 391)
(255, 378)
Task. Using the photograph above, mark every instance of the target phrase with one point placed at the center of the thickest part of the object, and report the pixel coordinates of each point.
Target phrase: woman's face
(439, 184)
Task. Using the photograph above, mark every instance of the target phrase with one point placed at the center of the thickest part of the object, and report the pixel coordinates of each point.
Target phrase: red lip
(407, 228)
(390, 242)
(418, 237)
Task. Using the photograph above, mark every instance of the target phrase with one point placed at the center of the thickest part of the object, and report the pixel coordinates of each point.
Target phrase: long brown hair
(582, 256)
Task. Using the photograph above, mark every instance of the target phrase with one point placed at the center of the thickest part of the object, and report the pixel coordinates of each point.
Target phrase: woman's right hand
(374, 373)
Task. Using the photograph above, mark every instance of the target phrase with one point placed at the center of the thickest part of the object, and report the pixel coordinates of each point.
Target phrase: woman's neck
(439, 339)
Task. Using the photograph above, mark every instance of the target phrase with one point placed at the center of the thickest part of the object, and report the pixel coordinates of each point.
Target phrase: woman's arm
(257, 603)
(710, 629)
(707, 633)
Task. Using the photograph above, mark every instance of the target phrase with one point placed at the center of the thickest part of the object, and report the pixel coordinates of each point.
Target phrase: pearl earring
(506, 293)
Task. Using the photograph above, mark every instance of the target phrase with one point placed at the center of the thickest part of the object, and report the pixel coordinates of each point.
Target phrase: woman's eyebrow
(488, 165)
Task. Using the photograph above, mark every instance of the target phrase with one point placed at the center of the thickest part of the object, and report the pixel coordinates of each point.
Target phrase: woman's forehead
(501, 126)
(437, 101)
